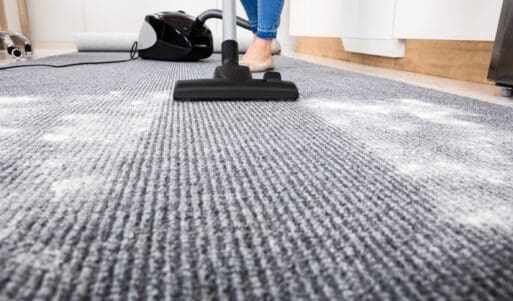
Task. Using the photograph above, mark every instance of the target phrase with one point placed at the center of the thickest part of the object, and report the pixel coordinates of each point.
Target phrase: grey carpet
(364, 189)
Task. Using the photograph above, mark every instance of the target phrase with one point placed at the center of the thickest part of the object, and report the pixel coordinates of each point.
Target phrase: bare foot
(250, 48)
(258, 52)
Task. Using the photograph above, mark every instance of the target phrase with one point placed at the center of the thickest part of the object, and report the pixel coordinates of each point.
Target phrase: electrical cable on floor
(133, 56)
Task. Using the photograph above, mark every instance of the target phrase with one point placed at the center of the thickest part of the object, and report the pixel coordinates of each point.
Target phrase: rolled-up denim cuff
(266, 34)
(254, 27)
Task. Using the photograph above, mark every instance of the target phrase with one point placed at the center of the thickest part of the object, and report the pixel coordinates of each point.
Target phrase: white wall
(192, 7)
(114, 15)
(55, 20)
(127, 15)
(59, 20)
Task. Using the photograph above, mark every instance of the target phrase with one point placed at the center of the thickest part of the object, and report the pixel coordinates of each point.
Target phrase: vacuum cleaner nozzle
(268, 88)
(234, 82)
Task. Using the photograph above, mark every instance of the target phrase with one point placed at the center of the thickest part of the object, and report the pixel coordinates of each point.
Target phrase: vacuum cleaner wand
(232, 81)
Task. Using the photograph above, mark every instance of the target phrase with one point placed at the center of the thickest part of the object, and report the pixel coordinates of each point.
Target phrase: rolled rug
(105, 41)
(122, 42)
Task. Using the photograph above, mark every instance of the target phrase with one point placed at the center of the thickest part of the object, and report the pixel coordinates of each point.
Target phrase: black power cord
(133, 56)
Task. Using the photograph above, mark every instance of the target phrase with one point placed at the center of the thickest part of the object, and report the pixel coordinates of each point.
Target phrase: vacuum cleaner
(177, 36)
(231, 81)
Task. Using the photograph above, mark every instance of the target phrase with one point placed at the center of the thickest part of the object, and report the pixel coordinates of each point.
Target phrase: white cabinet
(447, 19)
(380, 26)
(365, 26)
(322, 18)
(368, 19)
(368, 27)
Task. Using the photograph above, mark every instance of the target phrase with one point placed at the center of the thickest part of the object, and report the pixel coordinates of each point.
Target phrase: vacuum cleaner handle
(218, 14)
(229, 21)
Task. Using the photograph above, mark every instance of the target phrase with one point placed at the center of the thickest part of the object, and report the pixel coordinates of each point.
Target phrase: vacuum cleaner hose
(218, 14)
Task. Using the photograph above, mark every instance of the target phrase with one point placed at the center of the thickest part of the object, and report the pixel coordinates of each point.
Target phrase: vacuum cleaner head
(234, 82)
(174, 36)
(269, 88)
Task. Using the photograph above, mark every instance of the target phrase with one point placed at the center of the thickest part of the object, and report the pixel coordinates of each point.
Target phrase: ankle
(250, 47)
(261, 47)
(262, 43)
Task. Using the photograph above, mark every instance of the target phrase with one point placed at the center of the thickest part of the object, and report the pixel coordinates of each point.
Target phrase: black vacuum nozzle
(234, 82)
(268, 88)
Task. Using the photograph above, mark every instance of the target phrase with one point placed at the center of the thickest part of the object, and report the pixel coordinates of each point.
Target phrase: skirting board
(461, 60)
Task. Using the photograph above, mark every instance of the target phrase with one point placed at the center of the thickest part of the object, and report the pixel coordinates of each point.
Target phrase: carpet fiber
(364, 189)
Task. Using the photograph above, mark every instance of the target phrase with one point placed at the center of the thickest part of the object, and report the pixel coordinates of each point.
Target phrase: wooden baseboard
(461, 60)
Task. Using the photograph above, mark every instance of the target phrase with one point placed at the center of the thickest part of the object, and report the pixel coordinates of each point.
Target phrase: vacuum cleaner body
(174, 36)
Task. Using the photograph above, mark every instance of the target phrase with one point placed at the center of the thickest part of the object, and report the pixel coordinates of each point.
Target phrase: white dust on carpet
(457, 150)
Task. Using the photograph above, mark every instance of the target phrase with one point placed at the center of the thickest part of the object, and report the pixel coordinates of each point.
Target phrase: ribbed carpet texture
(364, 189)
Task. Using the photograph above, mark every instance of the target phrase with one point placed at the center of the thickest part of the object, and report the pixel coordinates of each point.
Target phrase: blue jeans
(264, 16)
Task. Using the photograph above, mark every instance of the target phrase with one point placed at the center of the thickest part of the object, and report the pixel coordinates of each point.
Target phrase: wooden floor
(461, 60)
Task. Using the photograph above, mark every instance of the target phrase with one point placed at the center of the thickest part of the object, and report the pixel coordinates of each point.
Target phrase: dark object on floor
(507, 92)
(177, 36)
(17, 45)
(232, 81)
(501, 66)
